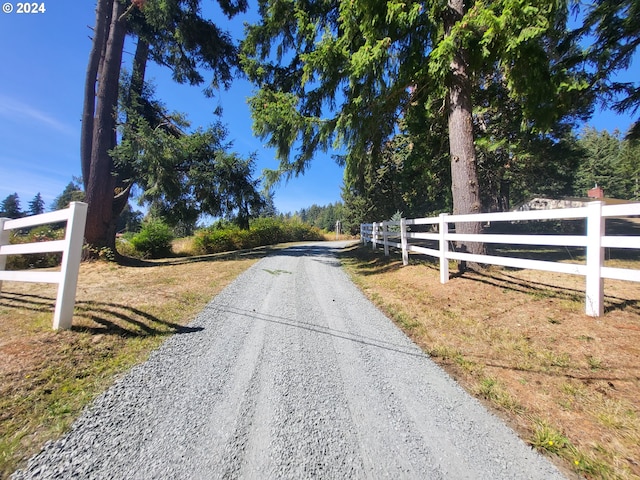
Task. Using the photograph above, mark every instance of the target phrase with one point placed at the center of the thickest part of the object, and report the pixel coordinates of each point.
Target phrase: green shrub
(153, 240)
(299, 231)
(210, 240)
(125, 247)
(44, 233)
(269, 230)
(263, 231)
(247, 239)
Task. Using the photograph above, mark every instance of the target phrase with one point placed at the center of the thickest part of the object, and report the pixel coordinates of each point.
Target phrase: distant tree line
(408, 181)
(11, 205)
(129, 219)
(323, 217)
(11, 208)
(412, 180)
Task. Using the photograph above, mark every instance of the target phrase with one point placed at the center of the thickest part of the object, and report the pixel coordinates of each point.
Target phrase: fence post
(595, 260)
(443, 229)
(4, 240)
(385, 240)
(403, 241)
(71, 256)
(374, 235)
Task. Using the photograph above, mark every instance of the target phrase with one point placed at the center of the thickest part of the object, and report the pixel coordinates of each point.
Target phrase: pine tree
(10, 207)
(614, 28)
(36, 206)
(171, 33)
(71, 193)
(344, 73)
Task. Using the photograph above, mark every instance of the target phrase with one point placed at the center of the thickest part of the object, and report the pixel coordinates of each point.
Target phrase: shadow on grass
(124, 320)
(370, 262)
(303, 248)
(373, 262)
(563, 372)
(324, 330)
(137, 323)
(311, 248)
(113, 318)
(541, 289)
(256, 253)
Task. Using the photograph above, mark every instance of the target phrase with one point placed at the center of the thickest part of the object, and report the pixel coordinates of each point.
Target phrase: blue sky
(43, 58)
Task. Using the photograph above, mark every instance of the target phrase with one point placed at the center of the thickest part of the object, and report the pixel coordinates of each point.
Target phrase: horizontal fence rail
(398, 234)
(71, 247)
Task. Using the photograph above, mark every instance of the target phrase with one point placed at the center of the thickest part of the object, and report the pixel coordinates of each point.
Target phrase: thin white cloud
(16, 110)
(19, 177)
(48, 189)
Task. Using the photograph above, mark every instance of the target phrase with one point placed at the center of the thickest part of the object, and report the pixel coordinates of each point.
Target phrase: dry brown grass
(122, 313)
(520, 340)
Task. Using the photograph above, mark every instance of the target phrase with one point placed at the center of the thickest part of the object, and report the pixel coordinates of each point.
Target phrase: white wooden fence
(595, 241)
(71, 248)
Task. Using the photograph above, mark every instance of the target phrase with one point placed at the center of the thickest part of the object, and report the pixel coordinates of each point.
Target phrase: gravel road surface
(288, 373)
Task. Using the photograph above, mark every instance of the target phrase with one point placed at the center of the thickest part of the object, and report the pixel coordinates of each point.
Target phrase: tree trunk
(100, 33)
(99, 186)
(464, 177)
(139, 68)
(123, 182)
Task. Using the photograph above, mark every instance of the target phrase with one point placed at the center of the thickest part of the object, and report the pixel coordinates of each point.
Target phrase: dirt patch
(520, 340)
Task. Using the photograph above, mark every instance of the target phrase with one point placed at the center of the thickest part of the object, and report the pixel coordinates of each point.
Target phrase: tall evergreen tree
(172, 33)
(614, 28)
(268, 207)
(98, 133)
(71, 193)
(36, 206)
(184, 175)
(628, 169)
(601, 151)
(609, 161)
(10, 207)
(344, 72)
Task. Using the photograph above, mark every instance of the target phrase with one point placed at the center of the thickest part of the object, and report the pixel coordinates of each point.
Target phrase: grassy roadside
(122, 314)
(519, 340)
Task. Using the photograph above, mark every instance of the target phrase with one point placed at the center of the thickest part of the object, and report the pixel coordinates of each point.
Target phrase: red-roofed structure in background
(595, 192)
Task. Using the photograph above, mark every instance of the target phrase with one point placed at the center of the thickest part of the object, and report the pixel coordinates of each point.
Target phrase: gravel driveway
(289, 373)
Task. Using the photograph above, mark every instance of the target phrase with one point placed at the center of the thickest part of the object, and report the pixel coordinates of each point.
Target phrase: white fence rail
(595, 240)
(71, 247)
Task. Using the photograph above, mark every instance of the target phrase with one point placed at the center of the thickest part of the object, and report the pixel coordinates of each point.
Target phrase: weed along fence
(71, 247)
(436, 241)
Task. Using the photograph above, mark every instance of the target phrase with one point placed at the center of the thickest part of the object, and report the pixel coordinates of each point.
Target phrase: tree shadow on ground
(254, 253)
(537, 288)
(628, 373)
(124, 320)
(324, 330)
(111, 318)
(296, 249)
(372, 262)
